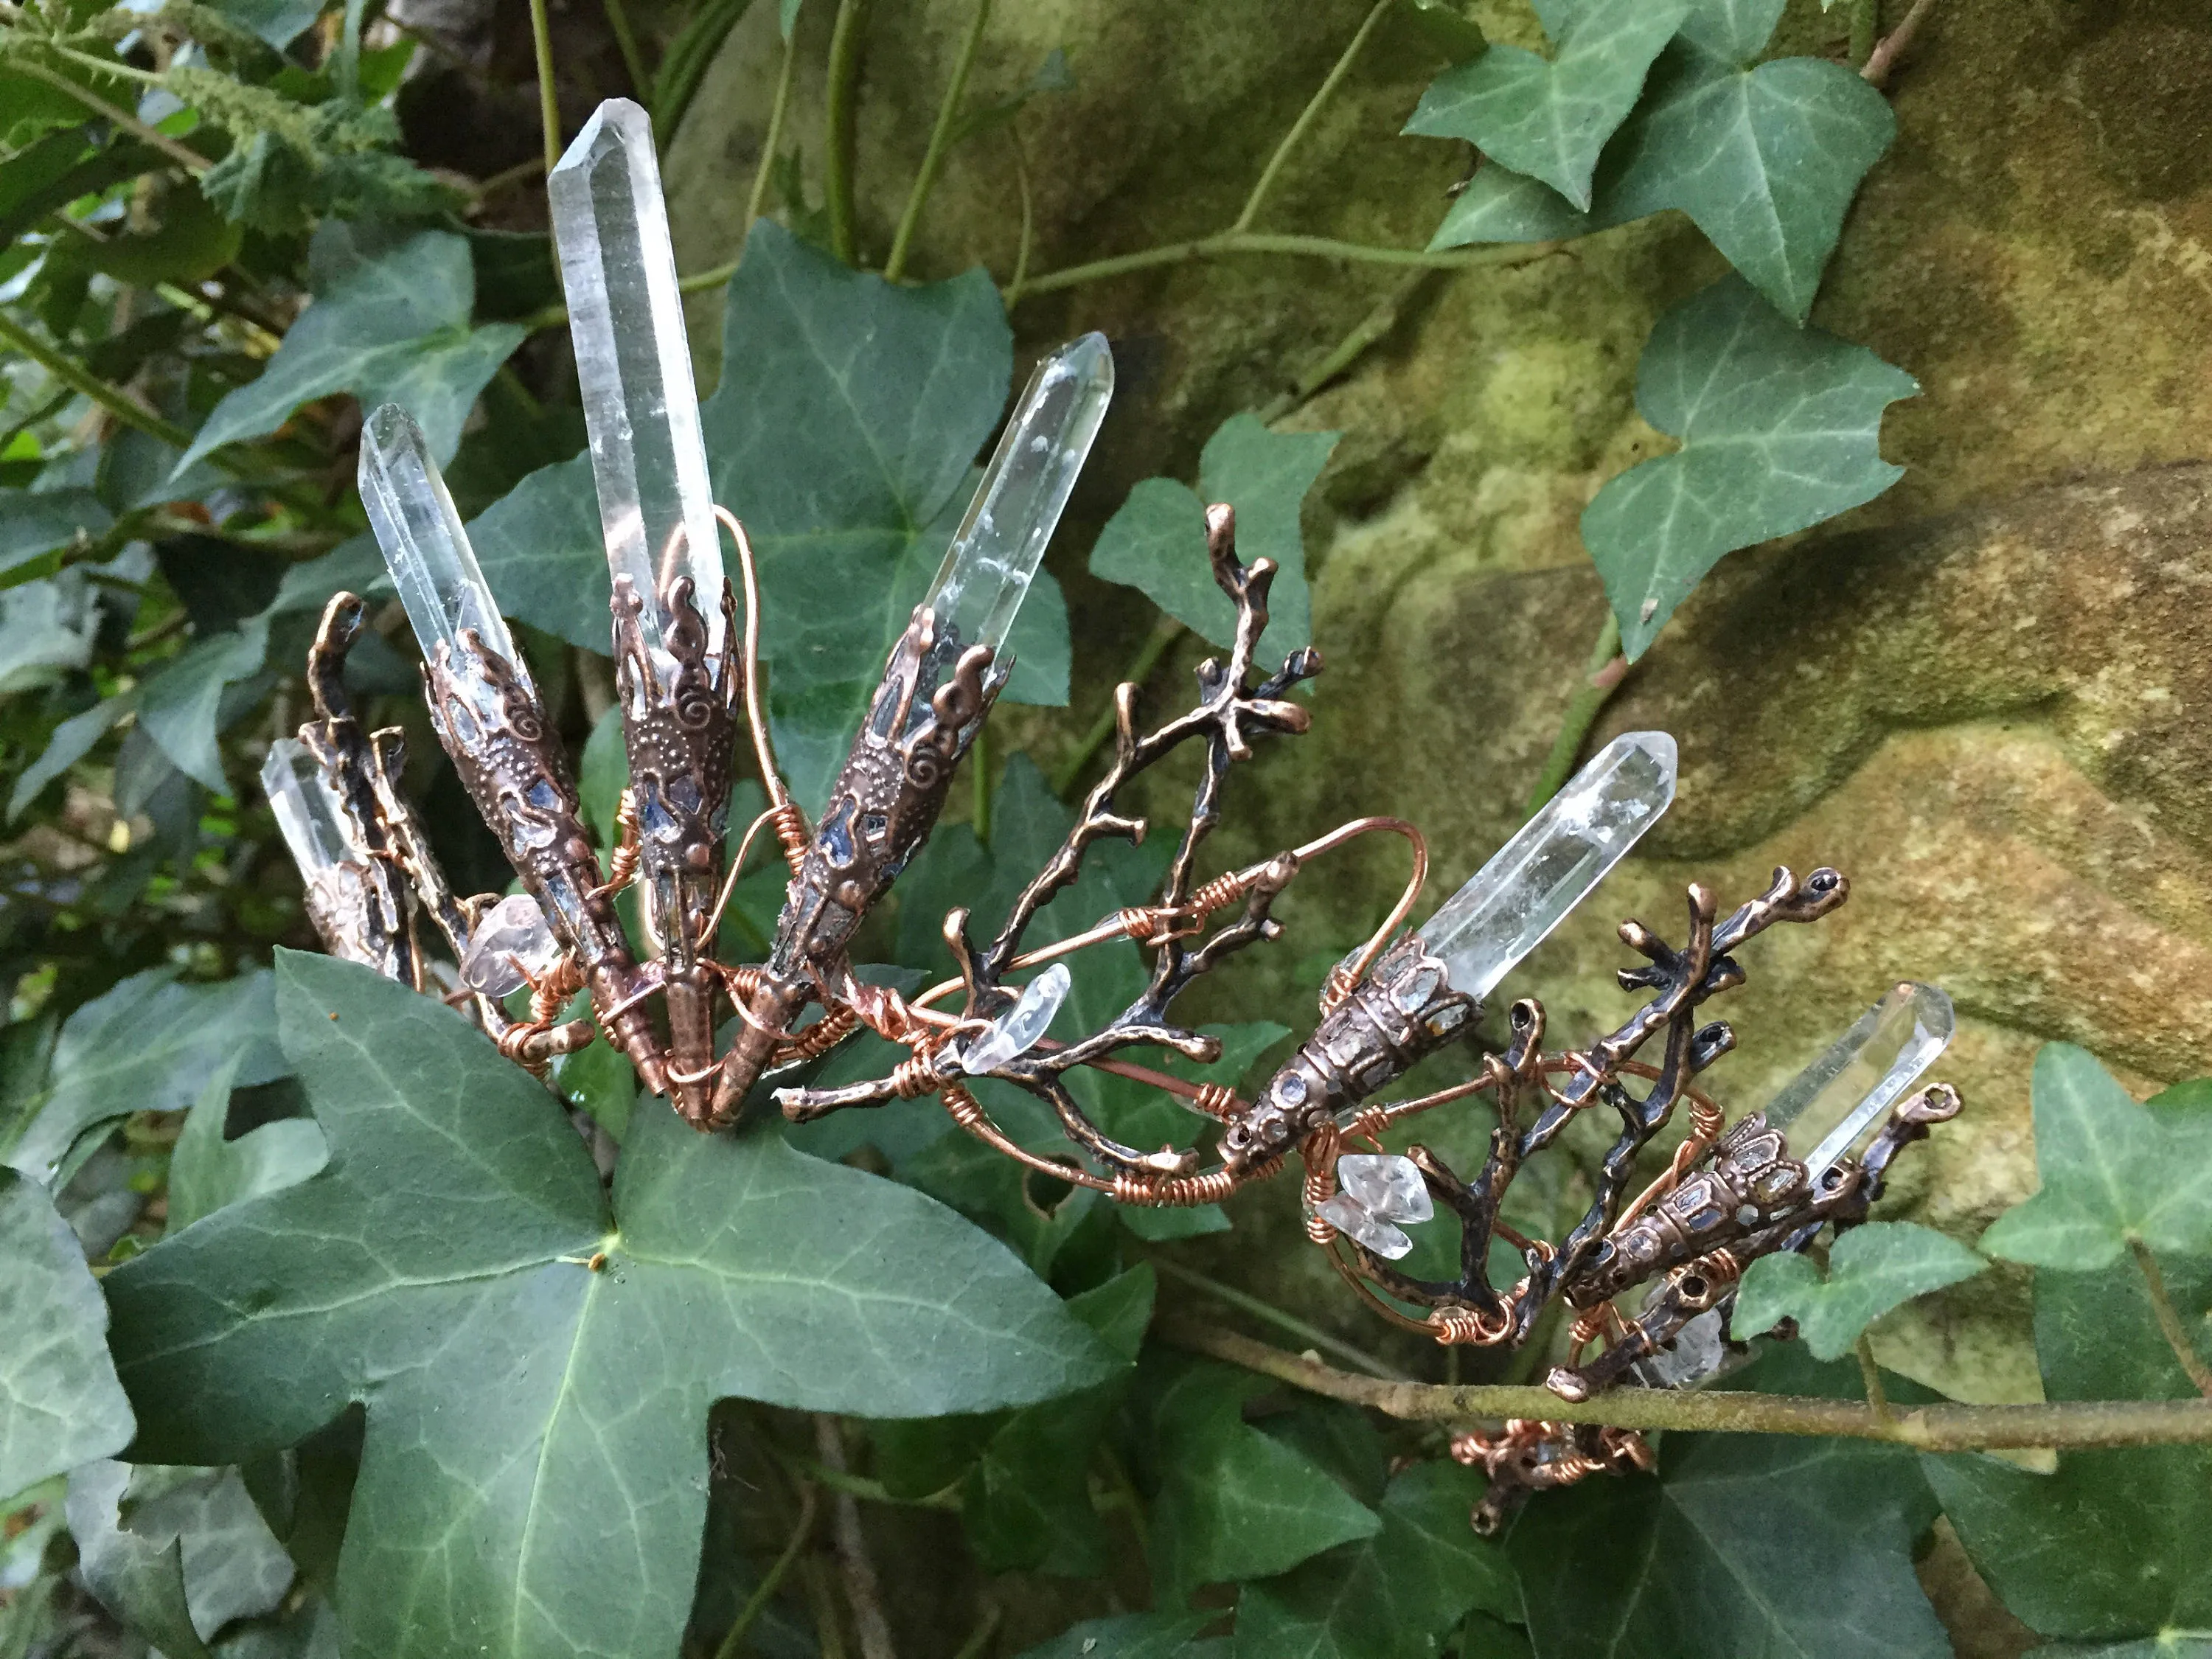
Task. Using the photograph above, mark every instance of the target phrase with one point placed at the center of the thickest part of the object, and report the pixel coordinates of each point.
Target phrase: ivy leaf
(60, 1404)
(72, 740)
(1395, 1595)
(1765, 158)
(1871, 1269)
(1780, 428)
(2113, 1173)
(207, 1172)
(1743, 1544)
(1550, 119)
(36, 523)
(390, 328)
(2111, 1547)
(1127, 1636)
(277, 22)
(544, 1419)
(844, 433)
(178, 707)
(1156, 542)
(191, 1556)
(147, 1045)
(1233, 1503)
(138, 1579)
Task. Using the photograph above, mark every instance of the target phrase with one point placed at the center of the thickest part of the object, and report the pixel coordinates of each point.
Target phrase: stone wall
(1987, 696)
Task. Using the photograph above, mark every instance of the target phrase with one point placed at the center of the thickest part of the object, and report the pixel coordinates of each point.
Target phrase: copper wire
(964, 1110)
(1357, 967)
(779, 794)
(1217, 1100)
(737, 867)
(819, 1038)
(622, 868)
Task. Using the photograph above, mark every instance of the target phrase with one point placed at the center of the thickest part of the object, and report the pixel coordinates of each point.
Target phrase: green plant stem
(1306, 116)
(733, 1639)
(940, 140)
(1601, 676)
(2069, 1425)
(548, 106)
(1013, 296)
(1870, 1374)
(1239, 242)
(45, 411)
(1165, 634)
(2169, 1319)
(186, 157)
(114, 399)
(1866, 27)
(1368, 332)
(862, 1597)
(840, 124)
(986, 1628)
(626, 43)
(1289, 1324)
(822, 1602)
(756, 198)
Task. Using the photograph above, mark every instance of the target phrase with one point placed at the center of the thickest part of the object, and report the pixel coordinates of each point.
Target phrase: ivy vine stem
(626, 43)
(548, 106)
(757, 198)
(112, 399)
(733, 1639)
(1947, 1427)
(940, 140)
(1308, 116)
(1289, 1324)
(1239, 242)
(2169, 1319)
(186, 157)
(1601, 678)
(841, 127)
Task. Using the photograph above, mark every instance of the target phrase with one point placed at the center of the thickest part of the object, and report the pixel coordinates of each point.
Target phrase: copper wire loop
(790, 832)
(1465, 1327)
(1216, 1100)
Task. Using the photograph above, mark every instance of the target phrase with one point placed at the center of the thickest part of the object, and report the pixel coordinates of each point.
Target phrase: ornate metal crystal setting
(1646, 1280)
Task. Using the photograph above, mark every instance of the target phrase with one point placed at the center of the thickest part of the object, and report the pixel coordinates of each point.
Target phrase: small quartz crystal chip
(1553, 861)
(1378, 1192)
(1017, 1031)
(509, 946)
(1700, 1351)
(1833, 1105)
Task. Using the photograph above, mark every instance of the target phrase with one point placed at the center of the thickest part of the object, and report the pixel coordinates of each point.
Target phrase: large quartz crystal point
(633, 368)
(1553, 861)
(309, 815)
(1841, 1098)
(432, 564)
(987, 570)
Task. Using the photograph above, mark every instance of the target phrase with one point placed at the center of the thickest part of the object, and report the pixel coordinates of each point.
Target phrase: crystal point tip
(1832, 1104)
(1553, 861)
(994, 555)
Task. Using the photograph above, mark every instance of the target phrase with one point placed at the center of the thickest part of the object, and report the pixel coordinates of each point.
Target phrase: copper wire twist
(819, 1038)
(1216, 1100)
(916, 1076)
(1173, 1192)
(1318, 1149)
(790, 825)
(1465, 1327)
(1220, 893)
(1338, 987)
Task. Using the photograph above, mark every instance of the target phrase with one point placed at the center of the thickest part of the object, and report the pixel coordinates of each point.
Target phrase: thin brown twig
(1948, 1427)
(2169, 1319)
(862, 1594)
(1882, 60)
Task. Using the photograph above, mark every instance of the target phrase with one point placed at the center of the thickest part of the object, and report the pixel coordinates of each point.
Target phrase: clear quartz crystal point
(308, 811)
(1840, 1098)
(1700, 1351)
(1553, 861)
(634, 366)
(995, 553)
(1015, 1032)
(510, 944)
(432, 564)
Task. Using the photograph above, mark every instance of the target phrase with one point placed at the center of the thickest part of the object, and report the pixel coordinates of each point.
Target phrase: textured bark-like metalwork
(934, 695)
(511, 764)
(680, 730)
(1404, 1011)
(361, 907)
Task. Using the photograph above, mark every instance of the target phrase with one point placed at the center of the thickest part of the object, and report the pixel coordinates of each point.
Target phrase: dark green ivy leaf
(34, 523)
(207, 1172)
(393, 328)
(177, 1554)
(147, 1045)
(1871, 1269)
(533, 1478)
(1780, 426)
(180, 706)
(1550, 119)
(1743, 1544)
(2113, 1172)
(1127, 1636)
(1765, 158)
(1156, 541)
(60, 1405)
(1396, 1596)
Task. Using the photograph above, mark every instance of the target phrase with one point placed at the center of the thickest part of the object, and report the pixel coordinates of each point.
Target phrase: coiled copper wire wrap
(561, 982)
(1338, 987)
(1718, 1270)
(1216, 1100)
(1465, 1327)
(1173, 1192)
(790, 832)
(916, 1076)
(743, 983)
(965, 1111)
(819, 1038)
(622, 869)
(1318, 1149)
